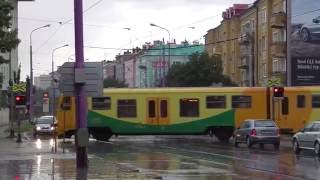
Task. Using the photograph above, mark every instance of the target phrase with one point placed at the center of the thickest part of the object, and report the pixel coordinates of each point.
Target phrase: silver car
(44, 125)
(310, 31)
(257, 131)
(308, 138)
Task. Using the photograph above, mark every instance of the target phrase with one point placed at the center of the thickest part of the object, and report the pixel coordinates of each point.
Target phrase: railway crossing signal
(278, 91)
(20, 100)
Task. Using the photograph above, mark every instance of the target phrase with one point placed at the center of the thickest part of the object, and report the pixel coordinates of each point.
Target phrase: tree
(8, 36)
(201, 71)
(111, 82)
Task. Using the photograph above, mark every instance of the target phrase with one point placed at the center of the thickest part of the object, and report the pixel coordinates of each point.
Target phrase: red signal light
(45, 95)
(20, 100)
(278, 91)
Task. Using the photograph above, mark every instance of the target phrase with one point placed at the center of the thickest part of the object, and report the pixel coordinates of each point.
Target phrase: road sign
(19, 88)
(274, 82)
(91, 77)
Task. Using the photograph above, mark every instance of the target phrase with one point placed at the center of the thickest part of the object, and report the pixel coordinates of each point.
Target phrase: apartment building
(251, 41)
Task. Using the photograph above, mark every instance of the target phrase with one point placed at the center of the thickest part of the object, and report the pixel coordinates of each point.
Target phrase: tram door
(281, 113)
(157, 111)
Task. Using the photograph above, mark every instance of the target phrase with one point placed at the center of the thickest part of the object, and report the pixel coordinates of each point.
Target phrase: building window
(101, 103)
(316, 101)
(241, 101)
(301, 101)
(279, 65)
(189, 107)
(216, 102)
(127, 108)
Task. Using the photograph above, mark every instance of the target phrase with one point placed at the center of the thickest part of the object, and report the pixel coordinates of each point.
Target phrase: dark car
(257, 131)
(44, 125)
(308, 138)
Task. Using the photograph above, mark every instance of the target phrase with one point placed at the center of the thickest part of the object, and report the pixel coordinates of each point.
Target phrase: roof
(203, 90)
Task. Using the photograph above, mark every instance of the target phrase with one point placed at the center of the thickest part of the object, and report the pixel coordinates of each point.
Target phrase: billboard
(304, 45)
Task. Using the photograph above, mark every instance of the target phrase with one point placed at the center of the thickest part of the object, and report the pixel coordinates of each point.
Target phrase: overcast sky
(104, 26)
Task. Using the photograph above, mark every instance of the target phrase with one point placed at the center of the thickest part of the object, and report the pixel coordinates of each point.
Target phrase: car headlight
(38, 128)
(51, 128)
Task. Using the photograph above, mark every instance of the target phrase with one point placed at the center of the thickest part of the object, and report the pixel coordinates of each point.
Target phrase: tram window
(127, 108)
(189, 107)
(101, 103)
(316, 101)
(216, 102)
(66, 103)
(241, 101)
(163, 108)
(301, 101)
(285, 106)
(152, 109)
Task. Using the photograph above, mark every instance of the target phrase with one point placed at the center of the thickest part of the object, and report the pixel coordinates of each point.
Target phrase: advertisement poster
(305, 42)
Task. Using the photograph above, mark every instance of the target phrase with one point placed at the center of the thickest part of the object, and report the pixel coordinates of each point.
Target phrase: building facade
(153, 64)
(42, 81)
(252, 42)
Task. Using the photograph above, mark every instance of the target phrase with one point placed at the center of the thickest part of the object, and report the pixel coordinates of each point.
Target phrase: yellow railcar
(189, 110)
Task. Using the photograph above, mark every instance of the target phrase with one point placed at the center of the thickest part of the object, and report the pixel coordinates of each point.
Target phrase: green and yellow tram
(165, 111)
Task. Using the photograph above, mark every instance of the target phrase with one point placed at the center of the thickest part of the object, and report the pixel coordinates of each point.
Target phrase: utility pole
(11, 98)
(81, 101)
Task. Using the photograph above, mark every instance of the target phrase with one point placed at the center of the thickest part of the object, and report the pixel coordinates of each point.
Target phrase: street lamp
(31, 74)
(151, 24)
(52, 77)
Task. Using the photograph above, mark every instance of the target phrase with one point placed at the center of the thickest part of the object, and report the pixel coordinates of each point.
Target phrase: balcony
(279, 49)
(278, 20)
(243, 63)
(244, 39)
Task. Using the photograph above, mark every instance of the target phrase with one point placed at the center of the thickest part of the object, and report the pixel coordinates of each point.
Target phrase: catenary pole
(81, 104)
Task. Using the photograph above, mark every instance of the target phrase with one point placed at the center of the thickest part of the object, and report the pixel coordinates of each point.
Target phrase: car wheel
(317, 148)
(305, 35)
(276, 146)
(296, 147)
(249, 143)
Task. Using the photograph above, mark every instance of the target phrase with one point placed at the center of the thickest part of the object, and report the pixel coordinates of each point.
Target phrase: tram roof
(205, 89)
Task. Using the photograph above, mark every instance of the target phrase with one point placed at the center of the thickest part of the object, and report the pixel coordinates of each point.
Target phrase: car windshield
(264, 123)
(45, 120)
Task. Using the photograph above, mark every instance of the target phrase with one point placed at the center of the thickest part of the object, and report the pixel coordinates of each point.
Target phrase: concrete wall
(4, 116)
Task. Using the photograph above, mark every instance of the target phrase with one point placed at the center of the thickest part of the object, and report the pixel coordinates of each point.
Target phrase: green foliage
(8, 36)
(110, 82)
(201, 71)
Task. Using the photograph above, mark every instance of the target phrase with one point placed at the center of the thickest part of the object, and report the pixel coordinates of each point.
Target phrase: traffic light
(20, 100)
(278, 91)
(45, 95)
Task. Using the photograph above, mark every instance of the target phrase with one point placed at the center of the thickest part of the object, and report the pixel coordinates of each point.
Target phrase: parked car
(310, 30)
(308, 138)
(257, 131)
(44, 125)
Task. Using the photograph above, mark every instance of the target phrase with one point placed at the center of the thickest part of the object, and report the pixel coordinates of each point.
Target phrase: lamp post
(151, 24)
(31, 74)
(52, 77)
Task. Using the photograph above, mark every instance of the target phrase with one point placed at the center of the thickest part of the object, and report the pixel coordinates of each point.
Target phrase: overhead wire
(65, 22)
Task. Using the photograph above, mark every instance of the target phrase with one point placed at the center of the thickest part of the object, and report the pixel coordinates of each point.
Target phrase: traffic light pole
(81, 101)
(11, 99)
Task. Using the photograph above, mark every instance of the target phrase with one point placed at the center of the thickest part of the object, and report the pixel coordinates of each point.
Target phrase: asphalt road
(156, 157)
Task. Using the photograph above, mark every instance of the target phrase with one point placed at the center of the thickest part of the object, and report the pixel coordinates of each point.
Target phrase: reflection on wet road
(161, 157)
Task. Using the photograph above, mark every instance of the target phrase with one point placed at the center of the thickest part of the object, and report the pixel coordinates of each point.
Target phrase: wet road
(159, 157)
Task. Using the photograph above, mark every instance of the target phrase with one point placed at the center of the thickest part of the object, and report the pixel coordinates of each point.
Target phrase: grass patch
(25, 126)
